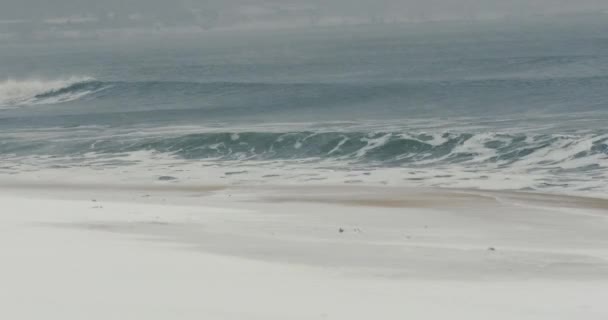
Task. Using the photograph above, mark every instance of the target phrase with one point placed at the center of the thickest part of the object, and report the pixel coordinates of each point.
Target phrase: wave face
(309, 99)
(527, 161)
(422, 97)
(16, 93)
(383, 148)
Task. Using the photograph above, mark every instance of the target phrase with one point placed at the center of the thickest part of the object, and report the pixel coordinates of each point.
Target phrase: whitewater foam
(574, 163)
(15, 93)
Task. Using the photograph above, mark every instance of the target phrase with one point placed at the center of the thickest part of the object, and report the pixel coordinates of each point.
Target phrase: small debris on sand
(167, 178)
(491, 249)
(231, 173)
(341, 230)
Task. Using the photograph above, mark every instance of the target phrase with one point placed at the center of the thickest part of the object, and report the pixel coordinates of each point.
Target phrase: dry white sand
(129, 252)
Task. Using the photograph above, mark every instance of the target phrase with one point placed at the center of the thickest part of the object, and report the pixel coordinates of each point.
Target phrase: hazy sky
(75, 18)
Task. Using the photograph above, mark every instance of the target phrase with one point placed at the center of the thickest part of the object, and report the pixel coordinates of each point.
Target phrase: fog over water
(75, 19)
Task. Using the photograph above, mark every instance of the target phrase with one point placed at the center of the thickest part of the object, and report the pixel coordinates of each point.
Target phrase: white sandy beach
(169, 252)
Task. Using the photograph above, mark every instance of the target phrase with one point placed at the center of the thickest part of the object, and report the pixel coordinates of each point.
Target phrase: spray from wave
(17, 93)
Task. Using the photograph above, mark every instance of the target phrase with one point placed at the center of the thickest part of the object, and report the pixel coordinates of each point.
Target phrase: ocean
(503, 106)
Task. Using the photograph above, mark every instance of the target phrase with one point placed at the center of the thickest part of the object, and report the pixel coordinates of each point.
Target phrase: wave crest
(16, 93)
(575, 163)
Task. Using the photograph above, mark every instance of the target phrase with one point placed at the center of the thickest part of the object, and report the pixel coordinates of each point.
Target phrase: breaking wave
(469, 97)
(387, 149)
(384, 148)
(16, 93)
(563, 163)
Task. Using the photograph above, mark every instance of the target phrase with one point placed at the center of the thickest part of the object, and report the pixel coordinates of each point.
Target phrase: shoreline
(374, 195)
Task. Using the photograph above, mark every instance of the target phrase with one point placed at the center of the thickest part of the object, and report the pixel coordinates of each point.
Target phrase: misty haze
(252, 159)
(35, 19)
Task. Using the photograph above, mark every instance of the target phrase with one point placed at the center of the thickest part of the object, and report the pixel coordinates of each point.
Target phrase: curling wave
(16, 93)
(388, 148)
(584, 151)
(429, 98)
(565, 163)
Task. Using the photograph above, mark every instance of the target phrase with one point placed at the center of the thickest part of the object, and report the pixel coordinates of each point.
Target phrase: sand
(216, 252)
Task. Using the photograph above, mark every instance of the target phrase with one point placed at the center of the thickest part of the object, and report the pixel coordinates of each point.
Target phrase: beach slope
(212, 252)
